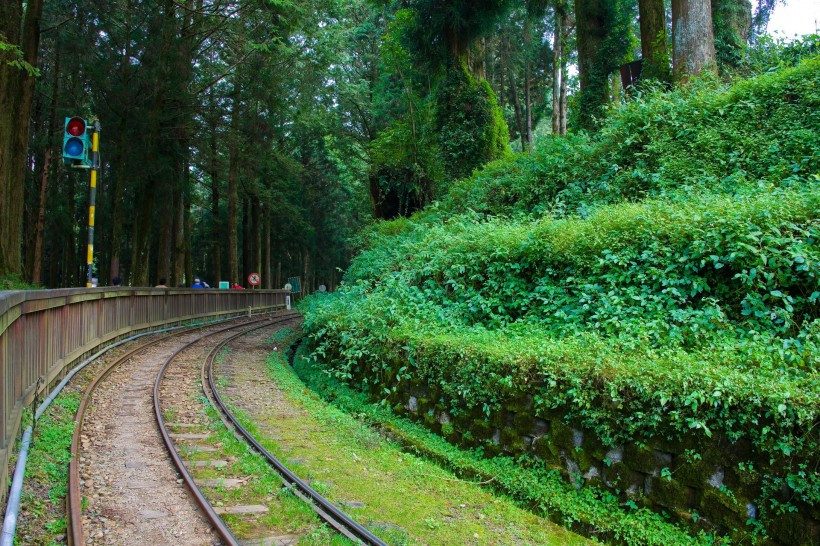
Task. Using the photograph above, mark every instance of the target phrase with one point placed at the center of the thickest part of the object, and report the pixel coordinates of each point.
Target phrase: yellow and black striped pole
(95, 165)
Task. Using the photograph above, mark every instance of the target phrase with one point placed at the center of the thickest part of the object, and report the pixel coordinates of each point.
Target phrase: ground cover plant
(42, 517)
(659, 280)
(593, 512)
(403, 498)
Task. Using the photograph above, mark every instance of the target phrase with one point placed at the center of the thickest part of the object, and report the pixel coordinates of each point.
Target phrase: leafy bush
(657, 280)
(755, 134)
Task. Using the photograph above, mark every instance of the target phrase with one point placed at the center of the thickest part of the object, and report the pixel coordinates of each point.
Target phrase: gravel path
(134, 493)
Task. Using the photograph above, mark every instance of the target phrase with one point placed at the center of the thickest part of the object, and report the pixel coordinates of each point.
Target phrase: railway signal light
(76, 141)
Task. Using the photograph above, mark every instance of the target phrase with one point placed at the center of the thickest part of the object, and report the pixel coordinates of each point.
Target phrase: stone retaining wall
(695, 481)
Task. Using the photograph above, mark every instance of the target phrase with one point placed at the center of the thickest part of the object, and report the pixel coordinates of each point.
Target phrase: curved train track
(205, 377)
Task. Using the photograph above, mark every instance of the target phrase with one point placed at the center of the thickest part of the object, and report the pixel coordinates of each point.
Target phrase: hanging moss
(470, 124)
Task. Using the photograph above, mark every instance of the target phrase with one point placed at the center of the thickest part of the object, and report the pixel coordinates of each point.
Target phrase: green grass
(287, 513)
(46, 485)
(524, 480)
(400, 496)
(14, 282)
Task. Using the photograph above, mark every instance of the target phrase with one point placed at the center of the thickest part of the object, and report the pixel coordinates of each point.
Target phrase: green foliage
(12, 55)
(470, 125)
(731, 23)
(769, 54)
(14, 282)
(526, 480)
(605, 42)
(757, 133)
(440, 31)
(660, 280)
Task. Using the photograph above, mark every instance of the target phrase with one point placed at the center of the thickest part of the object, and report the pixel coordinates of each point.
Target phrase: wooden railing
(44, 333)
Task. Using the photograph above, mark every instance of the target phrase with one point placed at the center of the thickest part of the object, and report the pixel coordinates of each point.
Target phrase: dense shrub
(657, 280)
(758, 133)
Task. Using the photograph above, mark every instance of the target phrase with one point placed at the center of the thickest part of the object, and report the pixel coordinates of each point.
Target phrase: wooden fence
(44, 333)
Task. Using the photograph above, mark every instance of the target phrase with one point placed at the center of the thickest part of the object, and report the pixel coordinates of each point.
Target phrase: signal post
(81, 145)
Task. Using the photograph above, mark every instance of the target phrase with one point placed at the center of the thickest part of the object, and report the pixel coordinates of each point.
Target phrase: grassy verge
(586, 510)
(287, 515)
(43, 517)
(404, 498)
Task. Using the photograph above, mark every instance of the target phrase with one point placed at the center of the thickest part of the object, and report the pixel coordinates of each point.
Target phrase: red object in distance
(254, 279)
(75, 127)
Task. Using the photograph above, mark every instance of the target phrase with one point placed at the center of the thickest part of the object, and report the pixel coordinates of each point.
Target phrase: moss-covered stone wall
(696, 482)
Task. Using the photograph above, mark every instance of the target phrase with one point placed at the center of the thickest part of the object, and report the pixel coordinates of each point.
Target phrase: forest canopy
(251, 135)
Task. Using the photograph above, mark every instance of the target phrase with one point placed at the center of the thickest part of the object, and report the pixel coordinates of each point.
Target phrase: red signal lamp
(75, 127)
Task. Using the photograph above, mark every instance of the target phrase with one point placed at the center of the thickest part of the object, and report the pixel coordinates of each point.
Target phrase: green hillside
(657, 280)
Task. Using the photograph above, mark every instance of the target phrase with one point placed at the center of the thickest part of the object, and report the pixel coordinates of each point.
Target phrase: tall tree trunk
(557, 75)
(519, 119)
(592, 28)
(247, 240)
(70, 277)
(693, 43)
(189, 266)
(306, 276)
(528, 106)
(180, 237)
(121, 138)
(16, 97)
(731, 25)
(39, 228)
(166, 235)
(266, 246)
(653, 41)
(563, 130)
(216, 231)
(11, 16)
(116, 204)
(141, 249)
(233, 188)
(257, 236)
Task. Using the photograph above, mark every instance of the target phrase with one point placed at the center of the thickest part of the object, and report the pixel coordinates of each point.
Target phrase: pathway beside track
(134, 494)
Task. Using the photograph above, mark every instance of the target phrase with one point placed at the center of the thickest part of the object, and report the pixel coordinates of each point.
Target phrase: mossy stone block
(562, 435)
(623, 478)
(540, 427)
(431, 422)
(523, 421)
(722, 509)
(499, 419)
(671, 493)
(594, 447)
(492, 449)
(791, 528)
(449, 432)
(482, 429)
(642, 459)
(546, 450)
(693, 474)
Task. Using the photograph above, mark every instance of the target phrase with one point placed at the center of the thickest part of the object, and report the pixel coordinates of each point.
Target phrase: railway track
(142, 389)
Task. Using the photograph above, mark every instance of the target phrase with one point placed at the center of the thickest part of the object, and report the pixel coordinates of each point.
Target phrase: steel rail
(74, 501)
(219, 524)
(326, 510)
